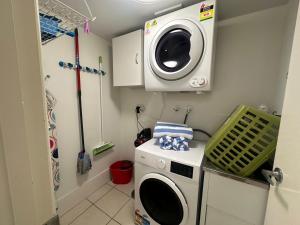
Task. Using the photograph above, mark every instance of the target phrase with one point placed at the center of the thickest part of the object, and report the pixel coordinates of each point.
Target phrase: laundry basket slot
(245, 141)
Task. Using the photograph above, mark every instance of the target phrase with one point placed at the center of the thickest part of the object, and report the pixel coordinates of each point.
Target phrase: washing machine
(179, 49)
(167, 184)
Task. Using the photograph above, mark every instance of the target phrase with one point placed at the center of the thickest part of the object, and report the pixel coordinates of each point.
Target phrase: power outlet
(140, 108)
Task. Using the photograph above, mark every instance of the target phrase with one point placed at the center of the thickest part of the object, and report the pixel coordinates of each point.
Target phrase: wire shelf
(57, 19)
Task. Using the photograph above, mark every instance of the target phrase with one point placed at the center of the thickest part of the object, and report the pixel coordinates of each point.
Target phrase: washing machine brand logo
(206, 12)
(141, 220)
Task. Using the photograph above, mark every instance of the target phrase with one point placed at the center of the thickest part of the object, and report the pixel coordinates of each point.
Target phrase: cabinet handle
(136, 58)
(276, 173)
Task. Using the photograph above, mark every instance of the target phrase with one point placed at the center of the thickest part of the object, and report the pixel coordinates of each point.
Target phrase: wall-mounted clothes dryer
(179, 49)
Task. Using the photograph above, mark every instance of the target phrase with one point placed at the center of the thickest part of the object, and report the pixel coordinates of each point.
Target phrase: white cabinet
(128, 59)
(226, 201)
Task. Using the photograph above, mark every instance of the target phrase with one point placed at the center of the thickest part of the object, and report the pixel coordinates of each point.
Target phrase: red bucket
(121, 172)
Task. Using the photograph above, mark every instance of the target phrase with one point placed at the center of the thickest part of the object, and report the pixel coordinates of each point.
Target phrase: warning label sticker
(206, 12)
(141, 220)
(149, 25)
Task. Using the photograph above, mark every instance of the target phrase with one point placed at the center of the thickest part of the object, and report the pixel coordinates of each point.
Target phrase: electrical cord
(138, 123)
(188, 110)
(196, 129)
(203, 132)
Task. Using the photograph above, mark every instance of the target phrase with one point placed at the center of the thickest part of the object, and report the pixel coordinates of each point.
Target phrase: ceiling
(116, 17)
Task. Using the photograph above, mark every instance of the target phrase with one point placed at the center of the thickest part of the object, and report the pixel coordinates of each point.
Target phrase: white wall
(287, 43)
(62, 84)
(6, 212)
(246, 71)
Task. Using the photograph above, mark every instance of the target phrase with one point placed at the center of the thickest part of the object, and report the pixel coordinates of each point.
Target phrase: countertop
(253, 180)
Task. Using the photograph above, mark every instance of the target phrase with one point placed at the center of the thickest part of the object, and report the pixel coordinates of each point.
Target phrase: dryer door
(162, 200)
(176, 49)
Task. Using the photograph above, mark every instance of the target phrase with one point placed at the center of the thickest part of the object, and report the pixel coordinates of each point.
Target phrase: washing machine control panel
(161, 163)
(166, 165)
(181, 169)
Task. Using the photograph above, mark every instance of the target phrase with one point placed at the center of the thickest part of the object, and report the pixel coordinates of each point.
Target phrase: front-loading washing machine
(167, 184)
(179, 49)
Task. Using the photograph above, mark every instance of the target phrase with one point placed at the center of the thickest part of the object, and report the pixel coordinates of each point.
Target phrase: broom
(105, 146)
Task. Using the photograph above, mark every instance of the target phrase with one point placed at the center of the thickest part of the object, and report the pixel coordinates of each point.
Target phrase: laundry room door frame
(23, 127)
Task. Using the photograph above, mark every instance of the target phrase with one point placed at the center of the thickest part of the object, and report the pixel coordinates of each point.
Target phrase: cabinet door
(128, 59)
(217, 217)
(238, 199)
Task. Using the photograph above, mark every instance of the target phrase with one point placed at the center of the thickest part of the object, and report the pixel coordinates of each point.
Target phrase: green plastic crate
(245, 141)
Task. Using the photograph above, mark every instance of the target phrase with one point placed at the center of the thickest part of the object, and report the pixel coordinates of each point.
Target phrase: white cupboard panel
(217, 217)
(241, 200)
(128, 59)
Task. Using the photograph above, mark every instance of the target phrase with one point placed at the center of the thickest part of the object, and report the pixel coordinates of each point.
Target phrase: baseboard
(53, 221)
(71, 199)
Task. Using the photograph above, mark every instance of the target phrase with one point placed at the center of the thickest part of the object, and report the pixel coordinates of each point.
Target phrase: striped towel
(172, 130)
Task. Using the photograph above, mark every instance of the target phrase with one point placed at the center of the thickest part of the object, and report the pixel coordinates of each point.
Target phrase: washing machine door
(162, 200)
(176, 49)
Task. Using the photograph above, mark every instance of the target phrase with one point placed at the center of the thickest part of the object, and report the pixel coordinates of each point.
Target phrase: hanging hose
(202, 131)
(196, 129)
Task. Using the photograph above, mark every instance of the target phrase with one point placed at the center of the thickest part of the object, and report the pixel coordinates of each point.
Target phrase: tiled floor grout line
(121, 208)
(115, 221)
(85, 198)
(71, 208)
(80, 214)
(101, 196)
(112, 217)
(109, 221)
(101, 210)
(129, 195)
(94, 204)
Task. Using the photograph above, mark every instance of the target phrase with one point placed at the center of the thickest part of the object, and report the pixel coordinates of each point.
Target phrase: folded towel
(174, 143)
(172, 130)
(159, 123)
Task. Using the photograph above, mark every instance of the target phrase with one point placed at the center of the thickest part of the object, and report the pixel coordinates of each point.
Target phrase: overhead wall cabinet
(128, 59)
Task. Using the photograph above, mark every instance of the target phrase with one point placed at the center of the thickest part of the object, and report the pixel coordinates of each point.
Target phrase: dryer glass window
(161, 202)
(173, 50)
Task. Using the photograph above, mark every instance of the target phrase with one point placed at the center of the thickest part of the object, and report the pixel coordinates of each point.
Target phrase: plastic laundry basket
(121, 172)
(245, 141)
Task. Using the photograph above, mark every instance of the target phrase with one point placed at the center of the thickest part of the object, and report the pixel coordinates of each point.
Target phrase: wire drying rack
(57, 19)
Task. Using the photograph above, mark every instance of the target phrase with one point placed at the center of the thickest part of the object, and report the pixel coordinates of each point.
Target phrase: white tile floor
(111, 204)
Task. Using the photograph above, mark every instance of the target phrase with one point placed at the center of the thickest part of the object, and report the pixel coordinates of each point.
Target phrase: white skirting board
(71, 199)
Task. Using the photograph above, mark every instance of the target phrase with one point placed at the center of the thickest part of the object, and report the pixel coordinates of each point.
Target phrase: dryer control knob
(161, 164)
(194, 83)
(202, 81)
(197, 82)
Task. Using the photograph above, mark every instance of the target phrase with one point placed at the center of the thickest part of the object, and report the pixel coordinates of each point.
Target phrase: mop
(105, 146)
(84, 163)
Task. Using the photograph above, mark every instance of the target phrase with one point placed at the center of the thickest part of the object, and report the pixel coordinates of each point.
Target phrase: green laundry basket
(245, 141)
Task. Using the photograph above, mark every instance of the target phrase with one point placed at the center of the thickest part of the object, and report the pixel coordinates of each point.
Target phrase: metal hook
(47, 77)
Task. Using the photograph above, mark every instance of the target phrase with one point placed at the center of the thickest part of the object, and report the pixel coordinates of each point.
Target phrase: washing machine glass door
(162, 200)
(176, 49)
